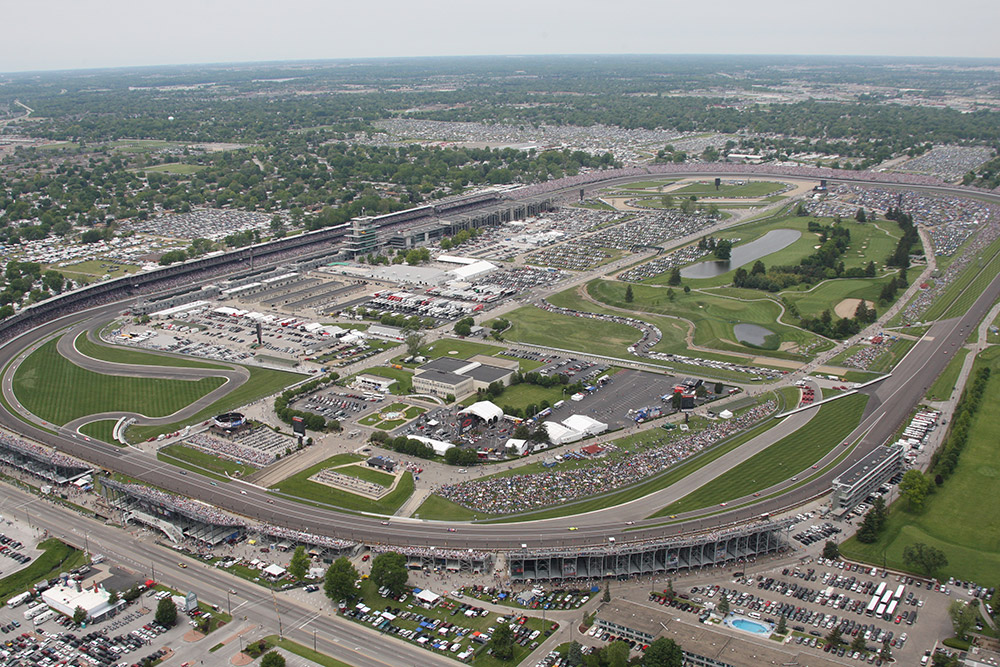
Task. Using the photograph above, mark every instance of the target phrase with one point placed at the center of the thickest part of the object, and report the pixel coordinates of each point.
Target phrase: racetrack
(891, 402)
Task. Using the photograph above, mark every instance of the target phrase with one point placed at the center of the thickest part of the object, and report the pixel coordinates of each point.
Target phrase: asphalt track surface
(891, 402)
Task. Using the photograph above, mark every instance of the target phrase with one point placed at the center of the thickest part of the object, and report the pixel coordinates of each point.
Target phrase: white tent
(726, 414)
(559, 434)
(517, 446)
(585, 424)
(485, 410)
(439, 446)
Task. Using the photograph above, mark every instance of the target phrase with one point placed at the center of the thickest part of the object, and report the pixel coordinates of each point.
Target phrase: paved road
(891, 403)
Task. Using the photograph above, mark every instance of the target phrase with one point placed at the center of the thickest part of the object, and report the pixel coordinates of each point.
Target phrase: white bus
(880, 612)
(870, 610)
(898, 595)
(890, 611)
(886, 597)
(880, 589)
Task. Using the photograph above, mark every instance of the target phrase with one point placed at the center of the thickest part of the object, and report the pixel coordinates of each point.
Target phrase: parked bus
(880, 612)
(898, 595)
(890, 611)
(44, 616)
(35, 611)
(870, 610)
(880, 589)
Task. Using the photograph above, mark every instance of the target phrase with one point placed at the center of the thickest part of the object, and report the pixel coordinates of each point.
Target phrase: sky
(80, 34)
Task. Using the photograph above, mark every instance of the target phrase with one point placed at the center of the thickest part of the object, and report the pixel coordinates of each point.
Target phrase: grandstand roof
(485, 410)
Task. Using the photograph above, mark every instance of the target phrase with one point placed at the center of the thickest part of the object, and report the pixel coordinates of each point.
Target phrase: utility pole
(276, 611)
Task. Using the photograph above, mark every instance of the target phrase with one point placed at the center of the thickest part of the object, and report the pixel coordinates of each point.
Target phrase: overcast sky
(73, 34)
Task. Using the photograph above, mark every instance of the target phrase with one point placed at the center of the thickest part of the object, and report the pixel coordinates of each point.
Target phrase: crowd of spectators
(867, 355)
(43, 455)
(234, 449)
(302, 537)
(206, 223)
(433, 552)
(525, 492)
(193, 509)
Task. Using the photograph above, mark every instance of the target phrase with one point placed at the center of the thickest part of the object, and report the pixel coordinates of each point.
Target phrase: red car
(365, 557)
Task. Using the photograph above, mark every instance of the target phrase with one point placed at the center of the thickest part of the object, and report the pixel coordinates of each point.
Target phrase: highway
(891, 401)
(354, 643)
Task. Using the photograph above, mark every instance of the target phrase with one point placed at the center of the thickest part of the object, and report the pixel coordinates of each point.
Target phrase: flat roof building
(93, 600)
(441, 383)
(860, 480)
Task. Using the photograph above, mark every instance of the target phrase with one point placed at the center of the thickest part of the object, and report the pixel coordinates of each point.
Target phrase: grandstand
(651, 557)
(454, 560)
(48, 464)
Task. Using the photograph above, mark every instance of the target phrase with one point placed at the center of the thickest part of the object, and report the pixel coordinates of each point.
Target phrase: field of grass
(888, 360)
(953, 518)
(522, 395)
(57, 558)
(174, 168)
(368, 474)
(441, 509)
(790, 456)
(298, 486)
(142, 145)
(945, 383)
(48, 385)
(263, 382)
(828, 294)
(102, 430)
(199, 460)
(707, 189)
(97, 268)
(540, 327)
(979, 272)
(458, 348)
(713, 316)
(126, 355)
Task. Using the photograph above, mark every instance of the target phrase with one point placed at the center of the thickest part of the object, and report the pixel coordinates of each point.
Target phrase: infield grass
(300, 488)
(52, 388)
(945, 384)
(790, 456)
(125, 355)
(201, 460)
(102, 430)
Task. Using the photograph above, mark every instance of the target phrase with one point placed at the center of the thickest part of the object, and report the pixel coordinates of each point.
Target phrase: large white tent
(559, 434)
(485, 410)
(585, 424)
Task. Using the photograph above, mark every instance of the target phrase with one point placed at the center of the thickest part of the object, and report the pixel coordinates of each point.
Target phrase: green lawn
(540, 327)
(748, 189)
(310, 655)
(263, 382)
(58, 557)
(102, 430)
(403, 378)
(945, 384)
(441, 509)
(978, 273)
(713, 316)
(458, 348)
(48, 385)
(124, 355)
(524, 394)
(828, 294)
(526, 364)
(200, 460)
(954, 519)
(368, 474)
(97, 268)
(792, 455)
(299, 487)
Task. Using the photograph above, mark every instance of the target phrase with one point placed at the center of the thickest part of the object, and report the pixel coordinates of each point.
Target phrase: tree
(166, 612)
(915, 486)
(831, 551)
(299, 565)
(675, 277)
(389, 570)
(717, 389)
(782, 626)
(338, 584)
(663, 653)
(413, 342)
(464, 326)
(834, 637)
(113, 596)
(272, 659)
(616, 654)
(925, 558)
(607, 593)
(858, 644)
(963, 617)
(885, 653)
(723, 607)
(502, 642)
(574, 654)
(723, 249)
(628, 294)
(79, 615)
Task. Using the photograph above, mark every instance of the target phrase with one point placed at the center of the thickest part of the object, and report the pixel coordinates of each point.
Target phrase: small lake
(773, 241)
(752, 333)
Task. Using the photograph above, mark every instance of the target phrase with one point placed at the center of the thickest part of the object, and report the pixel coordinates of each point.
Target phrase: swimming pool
(746, 625)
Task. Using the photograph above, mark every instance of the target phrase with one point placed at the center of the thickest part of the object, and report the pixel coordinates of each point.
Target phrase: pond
(773, 241)
(752, 333)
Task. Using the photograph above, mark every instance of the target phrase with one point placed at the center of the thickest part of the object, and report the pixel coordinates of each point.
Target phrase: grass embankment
(789, 456)
(125, 355)
(57, 557)
(945, 384)
(310, 655)
(48, 385)
(200, 461)
(102, 430)
(300, 488)
(955, 518)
